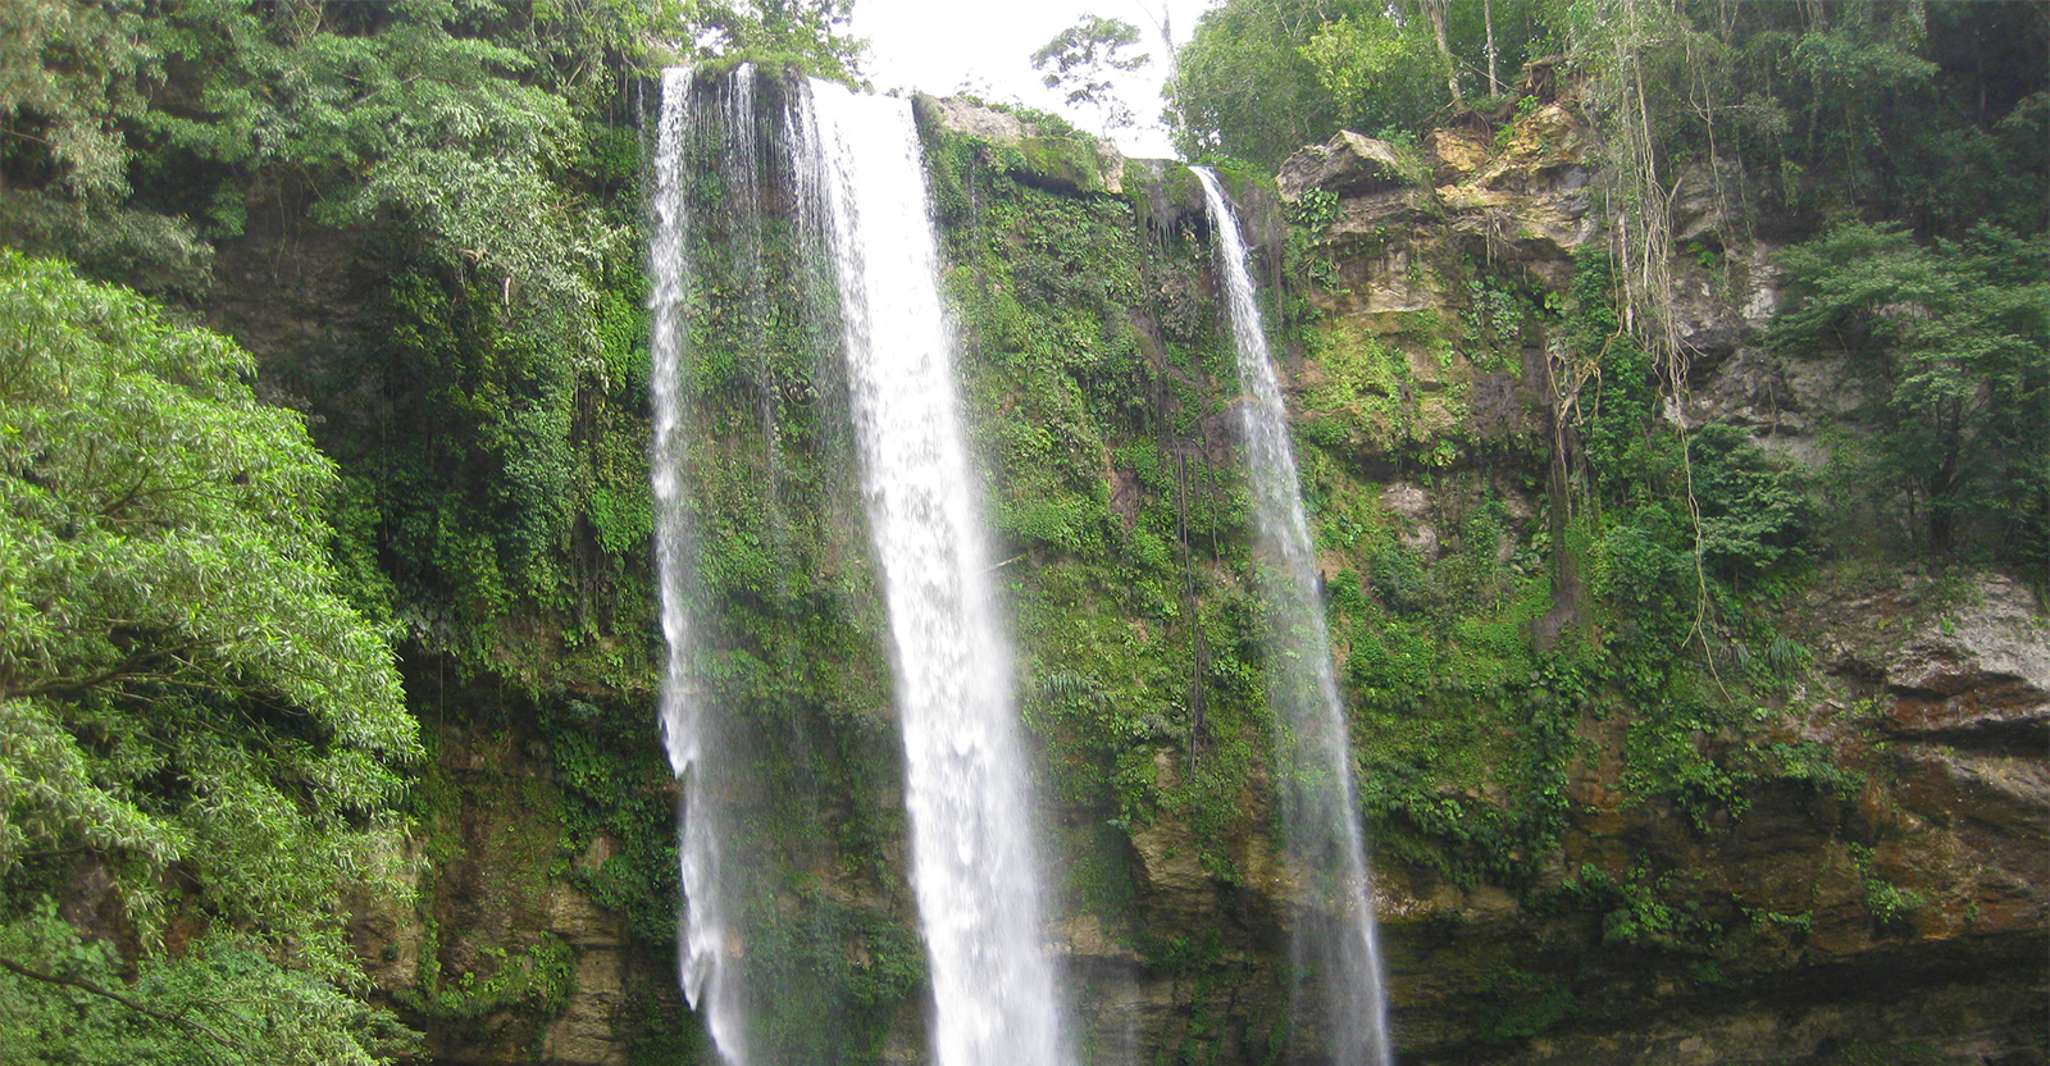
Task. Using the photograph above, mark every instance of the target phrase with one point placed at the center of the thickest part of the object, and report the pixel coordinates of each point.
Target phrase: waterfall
(1336, 939)
(689, 729)
(974, 865)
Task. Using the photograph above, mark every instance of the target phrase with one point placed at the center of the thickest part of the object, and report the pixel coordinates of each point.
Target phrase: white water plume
(1320, 799)
(975, 868)
(687, 722)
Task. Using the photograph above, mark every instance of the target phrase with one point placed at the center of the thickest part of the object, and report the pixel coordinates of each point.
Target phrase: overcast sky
(985, 47)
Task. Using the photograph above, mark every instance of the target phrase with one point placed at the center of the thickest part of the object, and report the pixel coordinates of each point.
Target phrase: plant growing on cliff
(1951, 340)
(193, 722)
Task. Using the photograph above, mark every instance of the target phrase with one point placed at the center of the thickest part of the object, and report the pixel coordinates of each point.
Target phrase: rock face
(586, 1033)
(503, 959)
(1979, 673)
(1893, 905)
(1347, 165)
(1911, 896)
(1062, 159)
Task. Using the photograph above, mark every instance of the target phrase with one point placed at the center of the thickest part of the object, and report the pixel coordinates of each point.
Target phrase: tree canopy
(191, 716)
(1085, 57)
(1953, 341)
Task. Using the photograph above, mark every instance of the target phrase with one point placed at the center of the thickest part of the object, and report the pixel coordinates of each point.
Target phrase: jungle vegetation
(236, 578)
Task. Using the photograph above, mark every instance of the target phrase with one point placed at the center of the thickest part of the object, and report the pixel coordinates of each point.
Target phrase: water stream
(688, 724)
(975, 868)
(1335, 941)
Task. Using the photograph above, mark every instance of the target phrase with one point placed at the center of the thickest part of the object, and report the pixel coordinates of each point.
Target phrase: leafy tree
(75, 73)
(1085, 58)
(1954, 337)
(74, 69)
(1380, 72)
(1753, 512)
(810, 32)
(1243, 87)
(189, 713)
(476, 150)
(223, 1000)
(1261, 78)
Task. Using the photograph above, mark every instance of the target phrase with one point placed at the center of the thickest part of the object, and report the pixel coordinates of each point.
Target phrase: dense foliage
(194, 722)
(1904, 139)
(1261, 78)
(195, 705)
(424, 218)
(1951, 341)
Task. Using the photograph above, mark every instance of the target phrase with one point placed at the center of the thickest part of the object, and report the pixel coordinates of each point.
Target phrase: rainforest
(609, 532)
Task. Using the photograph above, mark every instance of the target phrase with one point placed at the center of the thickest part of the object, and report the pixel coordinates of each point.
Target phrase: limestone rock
(1983, 669)
(1458, 154)
(1348, 164)
(975, 120)
(1412, 505)
(586, 1032)
(1060, 159)
(1168, 858)
(1701, 202)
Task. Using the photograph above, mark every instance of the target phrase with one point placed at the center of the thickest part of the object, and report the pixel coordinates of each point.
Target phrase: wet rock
(1348, 164)
(586, 1032)
(1169, 860)
(1057, 158)
(1413, 505)
(1979, 671)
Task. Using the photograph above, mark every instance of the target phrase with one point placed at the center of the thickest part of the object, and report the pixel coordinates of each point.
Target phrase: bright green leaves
(1380, 72)
(1242, 87)
(224, 1001)
(808, 34)
(180, 684)
(1261, 78)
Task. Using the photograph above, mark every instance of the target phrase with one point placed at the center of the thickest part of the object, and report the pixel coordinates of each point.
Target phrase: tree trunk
(1566, 585)
(1494, 68)
(1436, 9)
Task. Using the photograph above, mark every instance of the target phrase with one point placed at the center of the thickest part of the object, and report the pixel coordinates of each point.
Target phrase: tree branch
(87, 986)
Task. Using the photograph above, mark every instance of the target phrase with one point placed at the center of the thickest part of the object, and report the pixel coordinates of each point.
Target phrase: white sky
(985, 47)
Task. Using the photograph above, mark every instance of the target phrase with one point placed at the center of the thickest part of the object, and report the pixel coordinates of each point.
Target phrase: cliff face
(1828, 848)
(1879, 894)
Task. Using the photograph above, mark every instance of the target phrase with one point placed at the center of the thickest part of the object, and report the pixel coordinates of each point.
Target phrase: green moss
(537, 980)
(1062, 162)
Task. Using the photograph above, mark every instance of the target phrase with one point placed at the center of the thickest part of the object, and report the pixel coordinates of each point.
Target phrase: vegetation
(1084, 57)
(1261, 78)
(1948, 339)
(198, 727)
(372, 632)
(202, 709)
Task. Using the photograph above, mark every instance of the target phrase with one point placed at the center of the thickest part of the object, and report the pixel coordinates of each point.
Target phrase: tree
(190, 713)
(1954, 337)
(1244, 88)
(1435, 11)
(1494, 56)
(1086, 58)
(1380, 73)
(1261, 78)
(811, 32)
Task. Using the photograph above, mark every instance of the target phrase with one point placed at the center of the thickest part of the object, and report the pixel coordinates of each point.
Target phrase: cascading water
(688, 729)
(1320, 801)
(975, 871)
